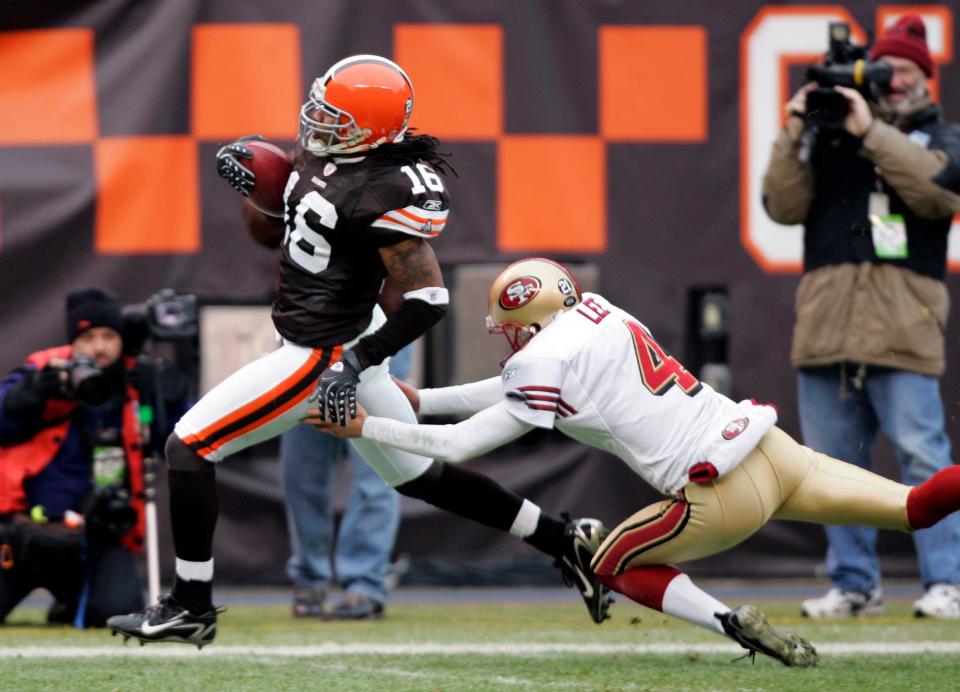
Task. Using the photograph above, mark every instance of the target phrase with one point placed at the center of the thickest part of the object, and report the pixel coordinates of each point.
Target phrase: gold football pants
(779, 479)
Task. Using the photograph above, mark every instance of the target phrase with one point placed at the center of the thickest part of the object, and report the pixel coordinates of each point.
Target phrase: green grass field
(487, 646)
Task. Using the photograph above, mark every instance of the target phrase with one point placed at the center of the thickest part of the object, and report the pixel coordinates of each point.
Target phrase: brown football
(271, 165)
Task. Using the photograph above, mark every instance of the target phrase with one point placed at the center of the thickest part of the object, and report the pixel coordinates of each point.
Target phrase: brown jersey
(338, 213)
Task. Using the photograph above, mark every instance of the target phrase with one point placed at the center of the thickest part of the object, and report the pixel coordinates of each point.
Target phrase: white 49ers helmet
(360, 103)
(526, 296)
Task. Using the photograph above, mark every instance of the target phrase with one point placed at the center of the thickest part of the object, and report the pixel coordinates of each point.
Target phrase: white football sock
(195, 571)
(685, 600)
(525, 523)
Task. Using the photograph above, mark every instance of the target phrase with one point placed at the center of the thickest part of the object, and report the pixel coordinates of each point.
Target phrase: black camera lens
(88, 383)
(826, 109)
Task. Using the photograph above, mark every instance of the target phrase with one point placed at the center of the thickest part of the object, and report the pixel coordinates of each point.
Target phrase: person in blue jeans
(843, 422)
(876, 194)
(358, 555)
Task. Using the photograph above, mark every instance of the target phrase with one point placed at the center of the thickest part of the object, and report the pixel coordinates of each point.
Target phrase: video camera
(166, 315)
(846, 65)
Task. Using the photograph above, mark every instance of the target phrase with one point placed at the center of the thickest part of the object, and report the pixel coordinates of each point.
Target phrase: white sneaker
(940, 601)
(844, 604)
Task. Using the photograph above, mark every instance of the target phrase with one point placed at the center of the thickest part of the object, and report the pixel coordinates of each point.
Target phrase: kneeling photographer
(873, 174)
(74, 434)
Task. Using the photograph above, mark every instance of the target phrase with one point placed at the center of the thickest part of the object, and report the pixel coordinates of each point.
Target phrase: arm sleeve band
(435, 295)
(489, 429)
(414, 317)
(462, 399)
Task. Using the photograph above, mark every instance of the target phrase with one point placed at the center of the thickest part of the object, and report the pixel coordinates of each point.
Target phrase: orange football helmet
(527, 296)
(360, 103)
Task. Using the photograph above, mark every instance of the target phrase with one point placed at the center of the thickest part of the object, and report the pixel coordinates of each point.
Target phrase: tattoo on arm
(411, 264)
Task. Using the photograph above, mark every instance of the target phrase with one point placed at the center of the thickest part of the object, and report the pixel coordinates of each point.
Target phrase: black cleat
(750, 629)
(167, 621)
(585, 536)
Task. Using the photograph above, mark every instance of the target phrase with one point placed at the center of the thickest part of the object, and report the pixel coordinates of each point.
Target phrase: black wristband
(352, 358)
(410, 320)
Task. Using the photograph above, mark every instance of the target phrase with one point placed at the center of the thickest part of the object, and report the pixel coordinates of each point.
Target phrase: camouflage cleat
(585, 536)
(167, 621)
(750, 629)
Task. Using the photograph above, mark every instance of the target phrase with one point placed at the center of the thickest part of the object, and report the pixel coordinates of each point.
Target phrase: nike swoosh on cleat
(149, 629)
(586, 587)
(584, 554)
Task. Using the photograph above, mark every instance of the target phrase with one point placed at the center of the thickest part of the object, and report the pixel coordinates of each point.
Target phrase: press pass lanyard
(889, 231)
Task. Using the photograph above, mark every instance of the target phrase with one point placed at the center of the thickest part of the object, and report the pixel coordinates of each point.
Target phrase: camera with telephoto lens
(86, 382)
(845, 65)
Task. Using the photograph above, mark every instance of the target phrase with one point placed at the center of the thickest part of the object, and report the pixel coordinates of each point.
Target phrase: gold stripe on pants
(779, 479)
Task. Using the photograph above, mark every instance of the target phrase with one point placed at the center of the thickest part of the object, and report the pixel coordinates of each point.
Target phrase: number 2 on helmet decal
(658, 370)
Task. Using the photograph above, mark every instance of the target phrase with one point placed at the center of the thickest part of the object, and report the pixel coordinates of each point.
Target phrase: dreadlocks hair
(416, 148)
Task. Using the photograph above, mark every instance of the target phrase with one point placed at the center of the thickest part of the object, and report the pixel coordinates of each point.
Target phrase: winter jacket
(851, 305)
(21, 460)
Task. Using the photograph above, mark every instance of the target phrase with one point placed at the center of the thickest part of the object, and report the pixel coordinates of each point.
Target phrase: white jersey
(596, 374)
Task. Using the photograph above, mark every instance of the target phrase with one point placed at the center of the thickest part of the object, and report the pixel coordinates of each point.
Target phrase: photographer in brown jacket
(876, 199)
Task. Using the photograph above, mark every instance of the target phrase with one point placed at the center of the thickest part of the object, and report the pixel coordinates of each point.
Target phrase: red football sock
(934, 499)
(645, 585)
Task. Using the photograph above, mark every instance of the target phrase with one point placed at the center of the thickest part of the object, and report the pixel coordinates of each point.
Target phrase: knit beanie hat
(907, 38)
(92, 307)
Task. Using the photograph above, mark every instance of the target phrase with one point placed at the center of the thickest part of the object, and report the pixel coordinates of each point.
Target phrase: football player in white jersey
(593, 371)
(360, 206)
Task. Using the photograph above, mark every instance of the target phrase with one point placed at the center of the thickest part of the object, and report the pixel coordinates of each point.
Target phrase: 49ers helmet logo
(734, 428)
(519, 293)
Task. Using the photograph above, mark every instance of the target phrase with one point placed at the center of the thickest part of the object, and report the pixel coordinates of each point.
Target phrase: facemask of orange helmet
(527, 296)
(361, 102)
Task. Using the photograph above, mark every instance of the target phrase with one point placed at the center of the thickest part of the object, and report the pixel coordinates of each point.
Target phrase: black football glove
(230, 169)
(336, 392)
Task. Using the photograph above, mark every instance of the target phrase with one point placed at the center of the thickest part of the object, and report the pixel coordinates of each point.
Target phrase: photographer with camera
(875, 185)
(73, 441)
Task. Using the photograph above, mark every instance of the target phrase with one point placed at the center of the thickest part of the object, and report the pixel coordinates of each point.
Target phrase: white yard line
(435, 677)
(436, 648)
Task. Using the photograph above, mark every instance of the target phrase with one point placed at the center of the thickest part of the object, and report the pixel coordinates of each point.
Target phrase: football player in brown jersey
(363, 199)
